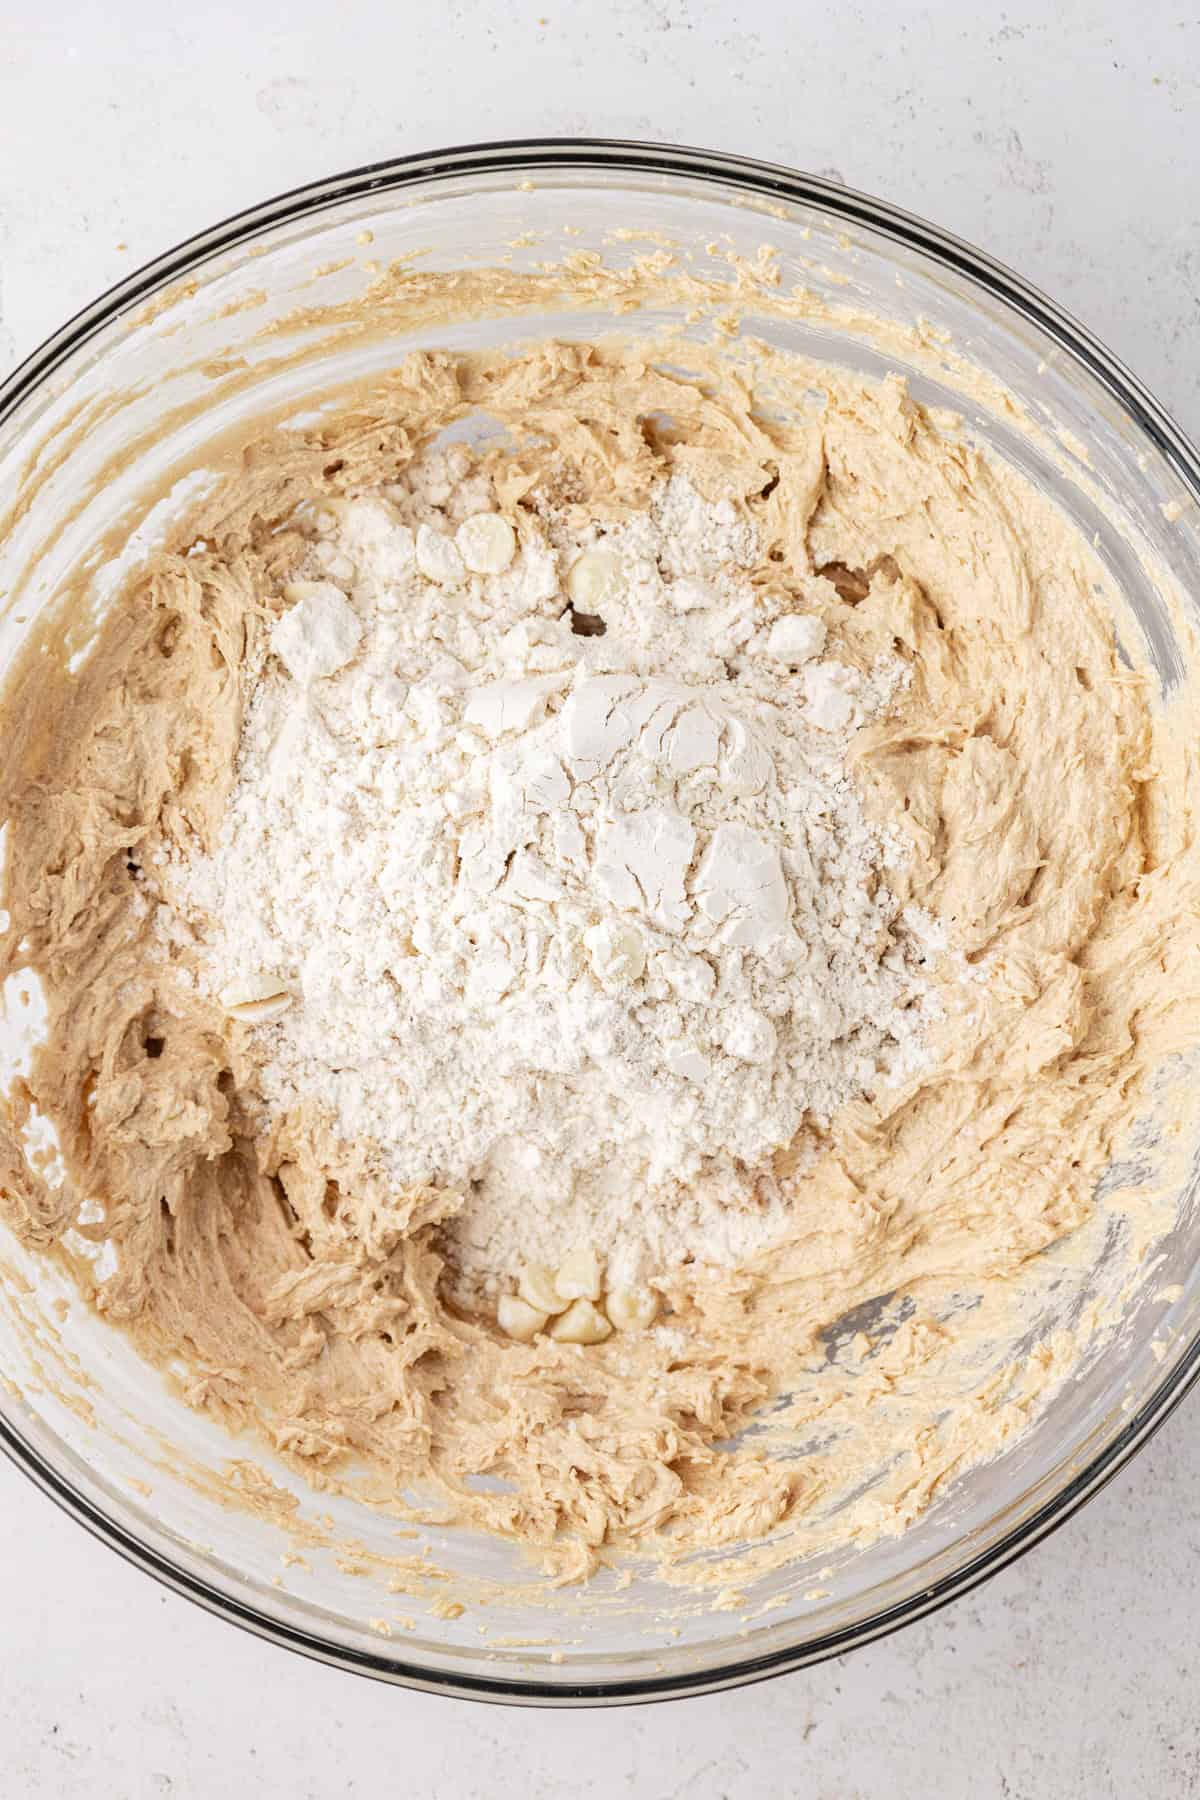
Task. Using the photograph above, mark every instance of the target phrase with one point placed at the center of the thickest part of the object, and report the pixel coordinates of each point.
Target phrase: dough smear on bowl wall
(568, 941)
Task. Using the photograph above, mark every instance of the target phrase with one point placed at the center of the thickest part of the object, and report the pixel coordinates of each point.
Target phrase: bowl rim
(526, 157)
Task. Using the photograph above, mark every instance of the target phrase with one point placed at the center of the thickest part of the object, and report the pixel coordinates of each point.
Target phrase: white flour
(585, 926)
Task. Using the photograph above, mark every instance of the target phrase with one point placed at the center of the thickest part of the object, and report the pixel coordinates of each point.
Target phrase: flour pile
(543, 872)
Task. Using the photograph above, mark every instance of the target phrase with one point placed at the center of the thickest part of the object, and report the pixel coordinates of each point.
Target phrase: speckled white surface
(1068, 145)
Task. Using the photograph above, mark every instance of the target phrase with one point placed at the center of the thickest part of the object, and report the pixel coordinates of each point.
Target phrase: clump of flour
(545, 847)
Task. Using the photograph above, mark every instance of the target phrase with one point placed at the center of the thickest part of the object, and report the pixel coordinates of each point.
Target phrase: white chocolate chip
(294, 591)
(593, 577)
(616, 951)
(438, 557)
(255, 999)
(486, 543)
(579, 1275)
(517, 1319)
(538, 1289)
(631, 1309)
(582, 1323)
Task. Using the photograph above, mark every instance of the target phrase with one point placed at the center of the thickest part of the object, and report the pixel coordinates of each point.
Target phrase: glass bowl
(107, 408)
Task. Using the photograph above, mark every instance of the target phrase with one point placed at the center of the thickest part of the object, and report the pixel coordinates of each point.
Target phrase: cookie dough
(1022, 768)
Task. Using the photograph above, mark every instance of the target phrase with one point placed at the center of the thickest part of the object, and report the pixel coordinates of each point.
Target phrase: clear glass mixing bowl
(79, 1412)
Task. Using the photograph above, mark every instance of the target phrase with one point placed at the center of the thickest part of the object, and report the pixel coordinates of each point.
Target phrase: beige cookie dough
(1021, 766)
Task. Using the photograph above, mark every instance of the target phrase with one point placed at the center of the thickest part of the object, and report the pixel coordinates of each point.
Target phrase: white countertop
(1067, 148)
